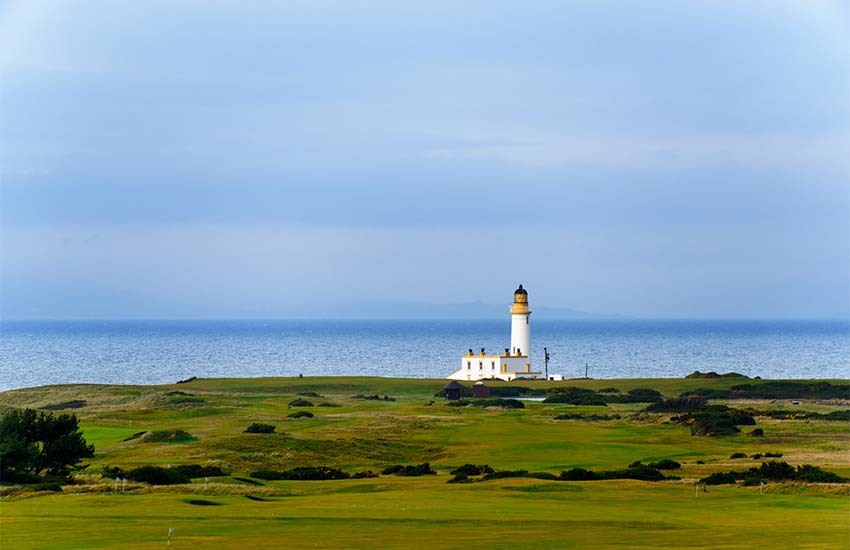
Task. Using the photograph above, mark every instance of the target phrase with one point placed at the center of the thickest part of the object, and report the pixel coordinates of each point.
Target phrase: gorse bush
(472, 470)
(258, 428)
(302, 473)
(775, 471)
(300, 414)
(413, 470)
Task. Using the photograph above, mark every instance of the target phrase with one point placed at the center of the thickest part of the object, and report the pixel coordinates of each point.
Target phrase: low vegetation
(775, 471)
(258, 428)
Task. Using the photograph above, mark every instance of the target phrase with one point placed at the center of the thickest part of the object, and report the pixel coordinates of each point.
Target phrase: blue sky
(243, 159)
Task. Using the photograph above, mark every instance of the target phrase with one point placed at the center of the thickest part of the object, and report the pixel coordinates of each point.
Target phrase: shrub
(579, 474)
(542, 475)
(364, 474)
(460, 478)
(327, 404)
(773, 455)
(196, 470)
(379, 398)
(168, 436)
(308, 394)
(575, 396)
(756, 456)
(300, 414)
(665, 464)
(472, 470)
(258, 428)
(302, 473)
(504, 474)
(608, 390)
(758, 432)
(409, 470)
(813, 474)
(156, 475)
(738, 455)
(643, 395)
(641, 472)
(720, 478)
(678, 404)
(300, 403)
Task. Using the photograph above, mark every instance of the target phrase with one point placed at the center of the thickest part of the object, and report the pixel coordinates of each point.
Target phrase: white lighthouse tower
(521, 324)
(516, 361)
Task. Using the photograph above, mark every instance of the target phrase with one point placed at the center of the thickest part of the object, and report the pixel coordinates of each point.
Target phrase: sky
(212, 159)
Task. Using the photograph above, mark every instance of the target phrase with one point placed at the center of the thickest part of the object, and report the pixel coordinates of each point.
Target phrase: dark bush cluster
(635, 470)
(715, 420)
(300, 403)
(775, 471)
(300, 414)
(376, 397)
(576, 396)
(678, 404)
(783, 414)
(779, 389)
(364, 474)
(411, 470)
(258, 428)
(302, 473)
(472, 470)
(157, 475)
(666, 464)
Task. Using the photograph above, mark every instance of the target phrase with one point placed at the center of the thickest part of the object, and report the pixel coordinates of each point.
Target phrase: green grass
(393, 512)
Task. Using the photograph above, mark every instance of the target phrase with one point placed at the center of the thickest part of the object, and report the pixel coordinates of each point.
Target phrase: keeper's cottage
(516, 361)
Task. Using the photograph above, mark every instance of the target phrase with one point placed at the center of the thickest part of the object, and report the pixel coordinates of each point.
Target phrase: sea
(35, 353)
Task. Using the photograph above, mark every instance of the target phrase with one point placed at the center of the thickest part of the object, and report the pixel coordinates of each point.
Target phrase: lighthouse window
(468, 365)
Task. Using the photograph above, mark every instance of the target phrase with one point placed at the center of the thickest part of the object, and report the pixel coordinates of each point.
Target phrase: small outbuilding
(480, 390)
(454, 390)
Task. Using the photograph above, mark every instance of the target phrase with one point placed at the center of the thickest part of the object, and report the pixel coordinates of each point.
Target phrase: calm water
(53, 352)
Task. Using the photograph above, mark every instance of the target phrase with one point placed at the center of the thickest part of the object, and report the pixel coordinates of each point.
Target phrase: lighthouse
(515, 362)
(520, 324)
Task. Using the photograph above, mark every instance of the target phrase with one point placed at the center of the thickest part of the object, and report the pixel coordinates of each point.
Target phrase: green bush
(576, 396)
(168, 436)
(364, 474)
(738, 455)
(720, 478)
(413, 470)
(156, 475)
(472, 470)
(665, 464)
(300, 414)
(196, 470)
(460, 478)
(579, 474)
(302, 473)
(678, 404)
(504, 474)
(300, 403)
(758, 432)
(258, 428)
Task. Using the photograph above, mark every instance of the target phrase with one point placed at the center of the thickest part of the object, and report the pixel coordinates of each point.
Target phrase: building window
(468, 365)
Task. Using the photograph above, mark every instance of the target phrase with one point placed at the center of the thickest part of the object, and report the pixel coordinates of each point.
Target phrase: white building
(516, 361)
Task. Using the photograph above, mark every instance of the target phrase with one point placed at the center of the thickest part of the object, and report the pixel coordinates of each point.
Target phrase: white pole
(696, 490)
(761, 487)
(116, 483)
(170, 530)
(206, 480)
(124, 485)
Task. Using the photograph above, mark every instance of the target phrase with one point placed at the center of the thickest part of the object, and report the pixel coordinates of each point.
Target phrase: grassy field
(396, 512)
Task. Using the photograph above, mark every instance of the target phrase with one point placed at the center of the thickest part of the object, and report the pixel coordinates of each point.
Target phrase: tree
(32, 443)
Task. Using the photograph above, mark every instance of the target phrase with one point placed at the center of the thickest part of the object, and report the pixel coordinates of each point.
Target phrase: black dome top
(520, 290)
